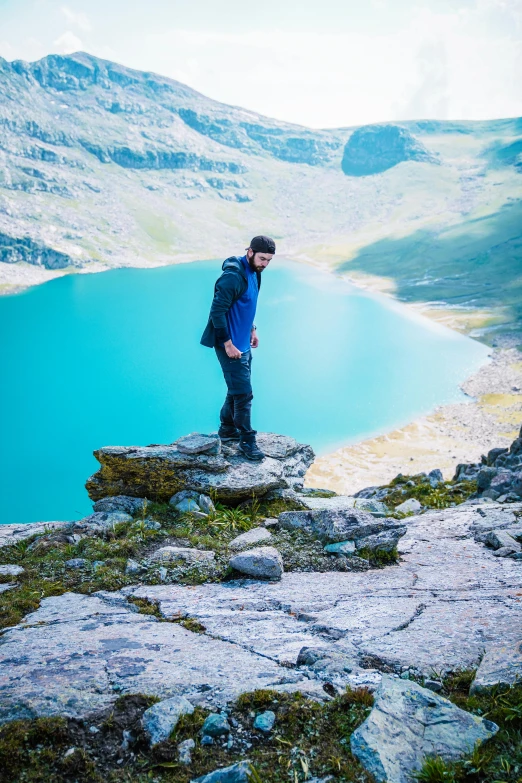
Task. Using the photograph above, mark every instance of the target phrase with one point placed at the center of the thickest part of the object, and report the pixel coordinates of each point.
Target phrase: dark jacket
(228, 289)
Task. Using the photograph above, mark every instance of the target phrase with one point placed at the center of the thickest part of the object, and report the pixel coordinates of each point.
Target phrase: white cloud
(77, 19)
(461, 64)
(68, 43)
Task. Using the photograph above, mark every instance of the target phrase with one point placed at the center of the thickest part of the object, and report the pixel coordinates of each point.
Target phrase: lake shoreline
(451, 434)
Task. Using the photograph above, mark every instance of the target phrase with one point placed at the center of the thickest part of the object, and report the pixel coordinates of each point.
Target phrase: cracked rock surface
(437, 610)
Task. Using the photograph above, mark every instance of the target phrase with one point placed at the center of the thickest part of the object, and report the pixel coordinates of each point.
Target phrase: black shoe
(228, 433)
(250, 450)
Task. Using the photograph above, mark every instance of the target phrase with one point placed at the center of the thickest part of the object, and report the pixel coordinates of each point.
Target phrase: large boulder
(376, 148)
(158, 472)
(408, 723)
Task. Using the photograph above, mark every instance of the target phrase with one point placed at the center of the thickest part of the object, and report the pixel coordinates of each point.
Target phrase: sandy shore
(453, 433)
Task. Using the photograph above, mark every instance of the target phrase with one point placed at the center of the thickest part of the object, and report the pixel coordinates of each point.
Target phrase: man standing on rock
(231, 331)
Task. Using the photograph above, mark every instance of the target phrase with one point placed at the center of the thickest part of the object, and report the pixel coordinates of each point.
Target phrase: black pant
(235, 413)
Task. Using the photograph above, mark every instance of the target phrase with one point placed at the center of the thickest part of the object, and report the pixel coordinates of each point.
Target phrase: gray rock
(133, 567)
(215, 725)
(206, 505)
(504, 551)
(185, 749)
(249, 539)
(385, 541)
(196, 443)
(185, 494)
(345, 503)
(173, 554)
(341, 548)
(161, 719)
(76, 563)
(334, 526)
(237, 773)
(159, 471)
(410, 506)
(408, 723)
(11, 570)
(124, 503)
(501, 538)
(501, 665)
(265, 721)
(263, 562)
(436, 474)
(433, 685)
(270, 522)
(187, 505)
(101, 522)
(206, 739)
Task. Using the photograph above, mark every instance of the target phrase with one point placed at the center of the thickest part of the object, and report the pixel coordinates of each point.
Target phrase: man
(231, 331)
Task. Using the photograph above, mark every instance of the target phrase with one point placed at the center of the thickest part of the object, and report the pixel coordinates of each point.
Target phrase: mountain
(104, 166)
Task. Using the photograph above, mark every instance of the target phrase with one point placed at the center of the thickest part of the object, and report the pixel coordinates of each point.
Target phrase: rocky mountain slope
(104, 166)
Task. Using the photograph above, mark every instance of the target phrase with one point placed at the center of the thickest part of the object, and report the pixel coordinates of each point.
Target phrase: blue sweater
(240, 317)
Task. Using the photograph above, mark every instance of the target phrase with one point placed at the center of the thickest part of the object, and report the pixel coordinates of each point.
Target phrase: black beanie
(262, 244)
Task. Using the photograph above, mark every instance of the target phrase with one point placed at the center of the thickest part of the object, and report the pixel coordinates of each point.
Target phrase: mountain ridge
(108, 166)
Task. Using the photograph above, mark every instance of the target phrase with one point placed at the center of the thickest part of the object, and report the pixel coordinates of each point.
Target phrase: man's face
(258, 261)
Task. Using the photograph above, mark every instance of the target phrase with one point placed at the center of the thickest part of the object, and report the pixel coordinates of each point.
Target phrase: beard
(252, 264)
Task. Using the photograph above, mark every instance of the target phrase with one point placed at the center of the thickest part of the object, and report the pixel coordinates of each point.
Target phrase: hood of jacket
(234, 264)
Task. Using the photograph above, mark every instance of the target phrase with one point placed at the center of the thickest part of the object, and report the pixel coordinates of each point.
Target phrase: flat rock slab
(345, 502)
(77, 654)
(437, 610)
(11, 534)
(408, 723)
(196, 443)
(501, 665)
(158, 472)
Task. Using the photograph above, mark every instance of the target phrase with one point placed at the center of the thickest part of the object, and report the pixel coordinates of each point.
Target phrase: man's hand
(232, 351)
(254, 339)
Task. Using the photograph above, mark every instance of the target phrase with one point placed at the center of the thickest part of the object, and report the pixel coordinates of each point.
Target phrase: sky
(320, 63)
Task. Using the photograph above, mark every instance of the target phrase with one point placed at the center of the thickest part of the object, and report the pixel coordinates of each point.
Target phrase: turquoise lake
(114, 359)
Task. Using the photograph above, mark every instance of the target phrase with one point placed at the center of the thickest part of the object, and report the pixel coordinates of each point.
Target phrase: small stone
(184, 494)
(98, 564)
(186, 505)
(94, 729)
(405, 675)
(69, 753)
(215, 725)
(128, 738)
(162, 573)
(433, 685)
(196, 443)
(504, 551)
(340, 548)
(237, 773)
(161, 719)
(409, 506)
(206, 505)
(250, 538)
(133, 567)
(263, 562)
(11, 570)
(76, 563)
(185, 749)
(270, 522)
(265, 721)
(206, 739)
(501, 539)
